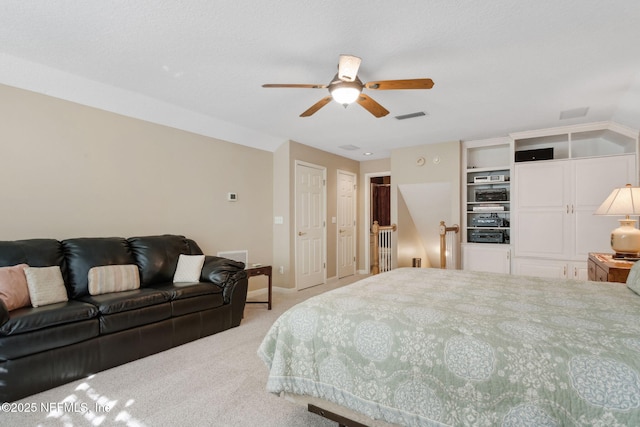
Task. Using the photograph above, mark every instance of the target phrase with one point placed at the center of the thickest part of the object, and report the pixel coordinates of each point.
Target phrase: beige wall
(405, 170)
(68, 170)
(281, 232)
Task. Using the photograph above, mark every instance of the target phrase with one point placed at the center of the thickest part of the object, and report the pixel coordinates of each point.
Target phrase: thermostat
(232, 197)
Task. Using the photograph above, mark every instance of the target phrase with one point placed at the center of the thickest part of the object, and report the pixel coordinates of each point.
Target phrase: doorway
(377, 208)
(310, 226)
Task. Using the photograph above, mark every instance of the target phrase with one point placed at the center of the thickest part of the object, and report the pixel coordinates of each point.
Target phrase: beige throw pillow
(113, 278)
(46, 285)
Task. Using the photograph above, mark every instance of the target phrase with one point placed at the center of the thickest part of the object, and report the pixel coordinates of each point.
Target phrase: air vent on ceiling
(349, 147)
(411, 115)
(574, 113)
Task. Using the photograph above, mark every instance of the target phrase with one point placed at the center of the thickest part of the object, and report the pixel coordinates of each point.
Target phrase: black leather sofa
(43, 347)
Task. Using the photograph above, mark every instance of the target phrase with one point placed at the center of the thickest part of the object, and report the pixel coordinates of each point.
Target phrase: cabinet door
(551, 268)
(579, 271)
(486, 257)
(540, 224)
(593, 180)
(540, 268)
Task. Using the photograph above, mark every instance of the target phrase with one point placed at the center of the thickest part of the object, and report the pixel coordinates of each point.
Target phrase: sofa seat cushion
(130, 309)
(192, 297)
(29, 343)
(117, 302)
(178, 291)
(32, 330)
(29, 319)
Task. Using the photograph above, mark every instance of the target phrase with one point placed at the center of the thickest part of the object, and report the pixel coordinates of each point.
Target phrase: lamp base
(626, 238)
(626, 257)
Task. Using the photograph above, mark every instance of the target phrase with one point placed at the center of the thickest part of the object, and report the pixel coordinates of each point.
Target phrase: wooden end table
(262, 270)
(605, 268)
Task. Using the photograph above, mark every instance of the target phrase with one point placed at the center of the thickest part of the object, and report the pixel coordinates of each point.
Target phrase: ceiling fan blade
(400, 84)
(315, 107)
(302, 86)
(372, 106)
(348, 66)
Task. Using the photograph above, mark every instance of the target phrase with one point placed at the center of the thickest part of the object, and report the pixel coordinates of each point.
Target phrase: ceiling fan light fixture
(345, 93)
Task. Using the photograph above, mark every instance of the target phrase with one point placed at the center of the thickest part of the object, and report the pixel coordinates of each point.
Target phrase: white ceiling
(498, 65)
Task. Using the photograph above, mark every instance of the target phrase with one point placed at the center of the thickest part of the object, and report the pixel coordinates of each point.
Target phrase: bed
(432, 347)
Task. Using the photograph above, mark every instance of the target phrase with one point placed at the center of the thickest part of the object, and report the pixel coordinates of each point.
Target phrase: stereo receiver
(492, 195)
(487, 236)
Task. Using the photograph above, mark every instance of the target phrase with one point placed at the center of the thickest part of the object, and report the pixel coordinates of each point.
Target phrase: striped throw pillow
(113, 278)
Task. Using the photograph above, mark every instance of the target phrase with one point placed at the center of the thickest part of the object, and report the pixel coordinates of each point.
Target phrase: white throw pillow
(46, 285)
(189, 268)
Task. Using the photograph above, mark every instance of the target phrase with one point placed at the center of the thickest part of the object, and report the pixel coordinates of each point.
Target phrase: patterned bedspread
(430, 347)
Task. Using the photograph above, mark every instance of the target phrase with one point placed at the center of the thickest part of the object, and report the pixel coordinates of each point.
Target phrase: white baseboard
(278, 289)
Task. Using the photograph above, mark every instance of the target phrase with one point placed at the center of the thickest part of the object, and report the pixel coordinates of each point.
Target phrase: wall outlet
(281, 269)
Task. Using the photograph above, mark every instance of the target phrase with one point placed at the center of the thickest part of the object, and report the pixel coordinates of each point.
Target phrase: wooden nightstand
(604, 268)
(260, 271)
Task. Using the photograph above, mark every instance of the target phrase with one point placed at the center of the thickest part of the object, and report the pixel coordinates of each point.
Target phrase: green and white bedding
(431, 347)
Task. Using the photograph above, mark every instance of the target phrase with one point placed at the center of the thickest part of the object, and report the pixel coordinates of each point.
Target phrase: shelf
(581, 141)
(489, 169)
(489, 183)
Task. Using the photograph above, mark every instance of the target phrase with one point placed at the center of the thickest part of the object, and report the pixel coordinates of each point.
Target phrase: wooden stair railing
(376, 229)
(443, 241)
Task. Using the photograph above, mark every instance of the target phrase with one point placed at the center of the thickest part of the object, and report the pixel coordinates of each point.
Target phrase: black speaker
(537, 154)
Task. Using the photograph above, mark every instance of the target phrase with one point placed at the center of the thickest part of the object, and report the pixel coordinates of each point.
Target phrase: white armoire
(553, 223)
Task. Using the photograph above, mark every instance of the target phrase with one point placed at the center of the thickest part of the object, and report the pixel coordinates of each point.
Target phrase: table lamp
(625, 240)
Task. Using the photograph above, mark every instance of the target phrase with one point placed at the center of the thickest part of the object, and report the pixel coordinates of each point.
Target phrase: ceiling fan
(346, 88)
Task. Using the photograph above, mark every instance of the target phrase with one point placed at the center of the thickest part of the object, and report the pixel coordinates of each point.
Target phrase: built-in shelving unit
(486, 196)
(544, 186)
(487, 192)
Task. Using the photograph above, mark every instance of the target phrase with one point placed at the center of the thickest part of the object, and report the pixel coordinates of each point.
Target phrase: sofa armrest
(222, 272)
(4, 313)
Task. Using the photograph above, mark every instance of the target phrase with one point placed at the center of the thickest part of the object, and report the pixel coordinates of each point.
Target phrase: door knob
(300, 233)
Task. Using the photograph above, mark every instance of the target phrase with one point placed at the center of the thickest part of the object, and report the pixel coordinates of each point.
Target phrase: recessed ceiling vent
(411, 115)
(349, 147)
(574, 114)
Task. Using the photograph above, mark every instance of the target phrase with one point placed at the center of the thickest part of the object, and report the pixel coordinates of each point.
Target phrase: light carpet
(214, 381)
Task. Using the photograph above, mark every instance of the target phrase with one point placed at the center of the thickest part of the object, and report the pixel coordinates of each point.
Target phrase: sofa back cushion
(82, 254)
(34, 252)
(157, 256)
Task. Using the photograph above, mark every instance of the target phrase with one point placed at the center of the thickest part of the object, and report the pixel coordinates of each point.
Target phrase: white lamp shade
(621, 201)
